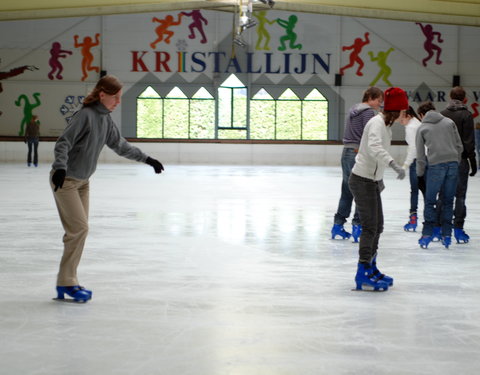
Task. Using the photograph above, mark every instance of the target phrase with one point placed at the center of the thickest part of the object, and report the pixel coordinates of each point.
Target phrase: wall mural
(275, 40)
(87, 56)
(57, 53)
(27, 109)
(13, 73)
(354, 58)
(429, 46)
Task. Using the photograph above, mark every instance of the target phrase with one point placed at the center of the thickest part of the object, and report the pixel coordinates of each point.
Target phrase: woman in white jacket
(412, 123)
(366, 184)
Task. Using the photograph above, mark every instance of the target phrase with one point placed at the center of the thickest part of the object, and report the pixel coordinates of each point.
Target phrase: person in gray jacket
(76, 156)
(439, 136)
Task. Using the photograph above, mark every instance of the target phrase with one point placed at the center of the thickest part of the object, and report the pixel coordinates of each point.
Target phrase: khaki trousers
(72, 203)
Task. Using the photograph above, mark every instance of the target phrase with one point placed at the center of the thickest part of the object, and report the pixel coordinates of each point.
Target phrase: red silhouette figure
(197, 23)
(475, 110)
(356, 48)
(163, 28)
(56, 52)
(428, 45)
(87, 60)
(14, 72)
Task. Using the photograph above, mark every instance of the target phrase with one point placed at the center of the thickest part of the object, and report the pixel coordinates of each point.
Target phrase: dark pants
(369, 204)
(32, 143)
(346, 198)
(414, 187)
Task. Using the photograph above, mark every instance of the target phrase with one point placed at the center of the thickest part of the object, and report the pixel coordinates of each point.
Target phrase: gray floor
(210, 270)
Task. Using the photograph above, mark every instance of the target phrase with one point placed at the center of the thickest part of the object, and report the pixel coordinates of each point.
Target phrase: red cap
(395, 99)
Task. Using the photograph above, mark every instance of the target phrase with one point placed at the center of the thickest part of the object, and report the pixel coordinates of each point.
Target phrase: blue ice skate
(366, 280)
(446, 241)
(356, 232)
(379, 275)
(79, 294)
(338, 230)
(437, 234)
(424, 241)
(411, 226)
(460, 235)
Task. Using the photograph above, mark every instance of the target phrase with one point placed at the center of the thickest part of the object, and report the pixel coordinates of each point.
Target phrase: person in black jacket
(457, 111)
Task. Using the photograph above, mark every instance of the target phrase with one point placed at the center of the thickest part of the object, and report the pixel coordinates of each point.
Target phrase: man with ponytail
(76, 156)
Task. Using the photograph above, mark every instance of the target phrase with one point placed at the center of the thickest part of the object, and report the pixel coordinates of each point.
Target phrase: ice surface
(208, 270)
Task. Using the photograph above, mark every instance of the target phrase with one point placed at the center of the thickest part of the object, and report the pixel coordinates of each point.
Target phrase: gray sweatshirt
(78, 148)
(439, 135)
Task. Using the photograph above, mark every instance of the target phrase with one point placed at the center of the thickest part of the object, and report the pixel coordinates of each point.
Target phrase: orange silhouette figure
(87, 60)
(357, 47)
(162, 29)
(428, 45)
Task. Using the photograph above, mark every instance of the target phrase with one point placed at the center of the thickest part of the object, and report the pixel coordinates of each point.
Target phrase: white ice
(216, 270)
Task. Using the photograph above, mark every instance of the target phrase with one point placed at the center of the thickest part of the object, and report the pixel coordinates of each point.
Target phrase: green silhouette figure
(290, 36)
(262, 32)
(385, 70)
(27, 110)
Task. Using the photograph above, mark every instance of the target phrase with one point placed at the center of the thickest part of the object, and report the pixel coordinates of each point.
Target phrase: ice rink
(229, 270)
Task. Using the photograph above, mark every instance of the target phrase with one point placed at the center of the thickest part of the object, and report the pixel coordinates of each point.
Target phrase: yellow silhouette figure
(86, 47)
(262, 31)
(385, 70)
(162, 29)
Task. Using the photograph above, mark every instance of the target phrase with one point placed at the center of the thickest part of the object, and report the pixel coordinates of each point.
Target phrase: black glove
(155, 164)
(58, 178)
(473, 165)
(422, 186)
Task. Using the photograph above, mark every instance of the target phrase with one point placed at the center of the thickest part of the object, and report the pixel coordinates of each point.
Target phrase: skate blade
(369, 290)
(69, 300)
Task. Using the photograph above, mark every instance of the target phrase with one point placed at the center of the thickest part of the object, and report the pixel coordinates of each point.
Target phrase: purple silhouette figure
(197, 23)
(428, 45)
(56, 52)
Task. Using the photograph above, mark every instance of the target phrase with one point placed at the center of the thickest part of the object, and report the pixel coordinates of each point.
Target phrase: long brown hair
(391, 117)
(108, 84)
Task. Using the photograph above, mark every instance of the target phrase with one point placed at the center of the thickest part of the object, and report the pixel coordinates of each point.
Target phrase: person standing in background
(457, 111)
(357, 118)
(32, 137)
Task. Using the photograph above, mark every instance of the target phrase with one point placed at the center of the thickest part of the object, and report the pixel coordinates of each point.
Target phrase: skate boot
(78, 294)
(366, 280)
(356, 232)
(338, 230)
(379, 275)
(446, 241)
(437, 234)
(424, 241)
(460, 235)
(411, 226)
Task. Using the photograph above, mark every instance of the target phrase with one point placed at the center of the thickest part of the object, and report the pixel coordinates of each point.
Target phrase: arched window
(232, 109)
(175, 116)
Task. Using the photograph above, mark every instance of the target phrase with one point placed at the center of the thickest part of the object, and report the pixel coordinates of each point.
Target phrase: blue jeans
(346, 198)
(440, 178)
(477, 144)
(32, 143)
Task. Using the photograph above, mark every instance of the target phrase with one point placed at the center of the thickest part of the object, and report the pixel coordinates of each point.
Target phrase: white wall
(211, 153)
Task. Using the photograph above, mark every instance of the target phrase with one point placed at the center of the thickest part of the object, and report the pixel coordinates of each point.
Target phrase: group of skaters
(440, 158)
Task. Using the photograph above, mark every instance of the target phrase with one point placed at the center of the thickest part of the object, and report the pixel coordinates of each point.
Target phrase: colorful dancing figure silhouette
(429, 46)
(385, 70)
(290, 36)
(197, 23)
(162, 29)
(56, 53)
(356, 48)
(87, 60)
